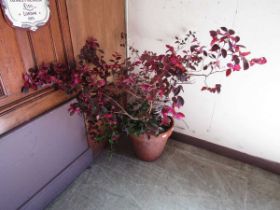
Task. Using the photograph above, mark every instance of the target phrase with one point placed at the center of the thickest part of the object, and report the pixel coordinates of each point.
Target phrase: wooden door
(71, 23)
(101, 19)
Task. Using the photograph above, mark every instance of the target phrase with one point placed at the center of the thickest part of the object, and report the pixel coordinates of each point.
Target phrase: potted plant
(140, 95)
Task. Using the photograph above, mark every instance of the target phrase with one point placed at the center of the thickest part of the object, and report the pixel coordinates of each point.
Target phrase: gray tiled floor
(185, 177)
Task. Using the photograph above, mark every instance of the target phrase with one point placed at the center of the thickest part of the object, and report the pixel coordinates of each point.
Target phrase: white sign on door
(27, 14)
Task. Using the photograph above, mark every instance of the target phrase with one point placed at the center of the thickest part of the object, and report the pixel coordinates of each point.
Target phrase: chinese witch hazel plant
(141, 94)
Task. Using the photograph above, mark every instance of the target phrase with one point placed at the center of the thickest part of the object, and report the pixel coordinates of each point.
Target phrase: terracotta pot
(150, 149)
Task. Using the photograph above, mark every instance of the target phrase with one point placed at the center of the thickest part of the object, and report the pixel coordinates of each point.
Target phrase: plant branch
(205, 75)
(151, 107)
(121, 107)
(132, 93)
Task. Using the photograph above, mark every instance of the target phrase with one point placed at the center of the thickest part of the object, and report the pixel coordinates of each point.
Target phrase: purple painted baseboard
(33, 154)
(59, 183)
(268, 165)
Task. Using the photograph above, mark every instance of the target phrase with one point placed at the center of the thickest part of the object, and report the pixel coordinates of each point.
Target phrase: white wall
(246, 115)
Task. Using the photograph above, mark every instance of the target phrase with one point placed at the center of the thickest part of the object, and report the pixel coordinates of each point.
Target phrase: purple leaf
(224, 53)
(245, 64)
(215, 47)
(213, 33)
(193, 47)
(237, 39)
(218, 87)
(224, 29)
(231, 32)
(180, 101)
(236, 59)
(177, 90)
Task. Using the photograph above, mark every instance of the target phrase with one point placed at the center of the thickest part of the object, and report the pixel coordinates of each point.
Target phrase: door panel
(71, 23)
(21, 50)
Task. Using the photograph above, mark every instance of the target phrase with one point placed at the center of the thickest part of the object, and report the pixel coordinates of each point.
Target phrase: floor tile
(183, 178)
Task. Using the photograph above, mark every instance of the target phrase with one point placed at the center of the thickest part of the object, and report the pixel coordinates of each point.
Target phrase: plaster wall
(245, 115)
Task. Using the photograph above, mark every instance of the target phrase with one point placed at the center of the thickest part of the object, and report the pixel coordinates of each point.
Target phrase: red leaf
(146, 87)
(165, 120)
(228, 72)
(170, 49)
(101, 83)
(260, 61)
(74, 109)
(214, 40)
(213, 33)
(245, 53)
(236, 67)
(179, 115)
(108, 116)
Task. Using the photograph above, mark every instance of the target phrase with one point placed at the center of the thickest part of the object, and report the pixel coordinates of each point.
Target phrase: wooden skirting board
(227, 152)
